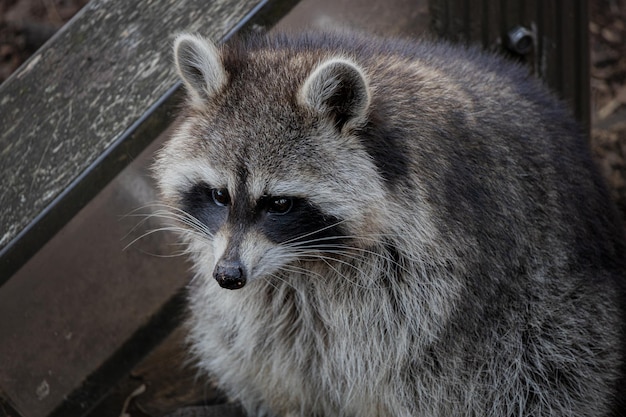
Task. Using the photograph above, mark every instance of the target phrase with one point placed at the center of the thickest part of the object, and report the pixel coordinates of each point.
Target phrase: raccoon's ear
(337, 88)
(199, 65)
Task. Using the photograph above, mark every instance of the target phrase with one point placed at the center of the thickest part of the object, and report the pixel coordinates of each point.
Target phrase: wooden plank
(71, 316)
(90, 100)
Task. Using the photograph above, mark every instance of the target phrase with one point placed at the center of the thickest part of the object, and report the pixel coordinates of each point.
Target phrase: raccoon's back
(496, 155)
(484, 141)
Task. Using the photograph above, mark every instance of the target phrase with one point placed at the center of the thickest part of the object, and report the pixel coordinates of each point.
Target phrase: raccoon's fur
(411, 229)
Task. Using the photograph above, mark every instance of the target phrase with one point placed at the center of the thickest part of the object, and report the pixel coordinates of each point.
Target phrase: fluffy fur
(408, 229)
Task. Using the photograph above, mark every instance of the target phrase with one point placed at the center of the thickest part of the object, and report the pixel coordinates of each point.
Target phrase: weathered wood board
(73, 115)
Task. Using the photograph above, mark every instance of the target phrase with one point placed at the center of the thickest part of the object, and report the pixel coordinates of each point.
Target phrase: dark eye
(279, 205)
(220, 196)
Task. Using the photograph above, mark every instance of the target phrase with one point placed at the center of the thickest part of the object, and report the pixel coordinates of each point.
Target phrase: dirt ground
(26, 24)
(607, 29)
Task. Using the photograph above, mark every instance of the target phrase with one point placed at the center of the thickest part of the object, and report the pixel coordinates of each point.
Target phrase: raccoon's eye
(279, 205)
(220, 196)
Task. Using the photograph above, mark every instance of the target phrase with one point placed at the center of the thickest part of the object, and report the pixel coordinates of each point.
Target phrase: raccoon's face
(266, 170)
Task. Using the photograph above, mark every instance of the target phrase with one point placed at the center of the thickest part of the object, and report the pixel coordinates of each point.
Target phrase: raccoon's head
(266, 168)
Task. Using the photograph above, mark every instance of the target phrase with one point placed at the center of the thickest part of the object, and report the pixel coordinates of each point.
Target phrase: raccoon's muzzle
(230, 274)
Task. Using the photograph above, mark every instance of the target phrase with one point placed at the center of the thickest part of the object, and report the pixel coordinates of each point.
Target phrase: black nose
(230, 275)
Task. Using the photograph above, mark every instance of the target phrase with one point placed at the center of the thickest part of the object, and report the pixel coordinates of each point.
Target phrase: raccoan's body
(388, 228)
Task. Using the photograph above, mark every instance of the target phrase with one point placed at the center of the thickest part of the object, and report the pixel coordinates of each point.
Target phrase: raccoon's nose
(230, 275)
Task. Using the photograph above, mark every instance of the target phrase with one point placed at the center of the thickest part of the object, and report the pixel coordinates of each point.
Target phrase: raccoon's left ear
(337, 88)
(199, 64)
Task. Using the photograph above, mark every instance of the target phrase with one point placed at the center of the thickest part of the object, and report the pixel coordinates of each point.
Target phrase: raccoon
(385, 227)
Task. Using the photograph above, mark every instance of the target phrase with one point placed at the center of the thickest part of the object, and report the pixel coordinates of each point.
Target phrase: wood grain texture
(77, 100)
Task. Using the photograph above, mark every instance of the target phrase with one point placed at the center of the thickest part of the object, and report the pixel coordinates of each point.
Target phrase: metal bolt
(520, 40)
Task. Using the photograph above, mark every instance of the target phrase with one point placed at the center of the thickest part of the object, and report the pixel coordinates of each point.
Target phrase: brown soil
(608, 93)
(25, 25)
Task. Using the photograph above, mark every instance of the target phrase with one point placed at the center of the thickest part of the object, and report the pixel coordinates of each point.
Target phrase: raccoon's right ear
(199, 65)
(337, 88)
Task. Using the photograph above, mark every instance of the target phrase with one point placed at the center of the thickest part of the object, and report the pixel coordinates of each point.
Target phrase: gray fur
(199, 65)
(471, 263)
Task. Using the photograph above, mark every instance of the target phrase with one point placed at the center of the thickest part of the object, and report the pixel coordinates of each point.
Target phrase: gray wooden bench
(71, 118)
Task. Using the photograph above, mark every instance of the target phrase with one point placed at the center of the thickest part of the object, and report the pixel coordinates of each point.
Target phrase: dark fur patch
(198, 202)
(304, 223)
(385, 144)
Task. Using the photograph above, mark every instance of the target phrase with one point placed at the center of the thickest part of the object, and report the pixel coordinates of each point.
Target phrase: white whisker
(167, 213)
(287, 242)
